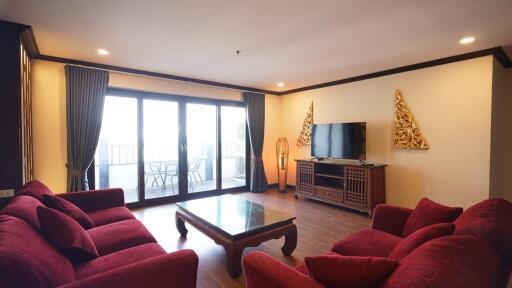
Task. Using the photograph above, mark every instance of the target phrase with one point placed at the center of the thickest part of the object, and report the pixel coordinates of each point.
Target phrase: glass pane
(201, 147)
(116, 156)
(160, 148)
(233, 146)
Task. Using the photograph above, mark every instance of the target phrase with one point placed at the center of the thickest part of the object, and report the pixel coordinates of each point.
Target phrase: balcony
(117, 166)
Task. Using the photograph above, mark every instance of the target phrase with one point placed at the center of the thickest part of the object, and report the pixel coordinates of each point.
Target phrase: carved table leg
(180, 225)
(290, 240)
(234, 260)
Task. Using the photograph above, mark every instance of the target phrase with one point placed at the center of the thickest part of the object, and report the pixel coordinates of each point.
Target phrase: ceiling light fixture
(467, 40)
(280, 84)
(102, 52)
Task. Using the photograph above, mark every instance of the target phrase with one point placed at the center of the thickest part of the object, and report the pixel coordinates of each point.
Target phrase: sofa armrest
(263, 271)
(390, 219)
(177, 269)
(94, 200)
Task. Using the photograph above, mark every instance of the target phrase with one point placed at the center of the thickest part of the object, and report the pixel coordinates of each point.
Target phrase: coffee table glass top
(234, 214)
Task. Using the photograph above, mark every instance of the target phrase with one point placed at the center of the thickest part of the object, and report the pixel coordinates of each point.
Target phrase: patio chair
(194, 170)
(152, 170)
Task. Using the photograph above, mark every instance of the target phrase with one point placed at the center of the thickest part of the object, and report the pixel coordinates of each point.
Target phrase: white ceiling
(299, 42)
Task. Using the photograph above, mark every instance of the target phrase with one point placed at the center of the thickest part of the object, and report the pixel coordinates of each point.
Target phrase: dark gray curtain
(85, 95)
(255, 106)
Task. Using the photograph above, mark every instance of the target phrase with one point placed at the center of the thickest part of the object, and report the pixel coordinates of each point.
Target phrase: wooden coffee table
(236, 223)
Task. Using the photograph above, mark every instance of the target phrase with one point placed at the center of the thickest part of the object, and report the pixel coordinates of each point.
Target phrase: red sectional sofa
(129, 255)
(478, 254)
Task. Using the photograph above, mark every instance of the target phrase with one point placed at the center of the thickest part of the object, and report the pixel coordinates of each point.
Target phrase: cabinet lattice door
(356, 186)
(305, 177)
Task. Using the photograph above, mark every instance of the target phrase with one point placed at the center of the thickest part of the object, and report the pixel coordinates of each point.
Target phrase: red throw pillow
(69, 209)
(66, 234)
(349, 271)
(35, 189)
(427, 213)
(419, 237)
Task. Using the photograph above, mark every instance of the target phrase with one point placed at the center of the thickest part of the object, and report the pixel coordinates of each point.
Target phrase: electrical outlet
(6, 193)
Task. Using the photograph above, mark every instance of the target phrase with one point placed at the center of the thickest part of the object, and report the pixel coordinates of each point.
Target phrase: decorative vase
(282, 162)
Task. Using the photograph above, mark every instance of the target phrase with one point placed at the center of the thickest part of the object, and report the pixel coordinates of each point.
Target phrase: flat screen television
(339, 140)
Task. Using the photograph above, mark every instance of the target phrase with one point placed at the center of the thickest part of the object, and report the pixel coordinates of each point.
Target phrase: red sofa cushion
(302, 268)
(27, 259)
(118, 260)
(368, 242)
(419, 237)
(490, 221)
(428, 212)
(69, 209)
(349, 271)
(110, 215)
(66, 234)
(119, 235)
(36, 189)
(24, 207)
(451, 261)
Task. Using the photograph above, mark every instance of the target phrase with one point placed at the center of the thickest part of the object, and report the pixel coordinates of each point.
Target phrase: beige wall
(49, 116)
(451, 104)
(501, 153)
(49, 124)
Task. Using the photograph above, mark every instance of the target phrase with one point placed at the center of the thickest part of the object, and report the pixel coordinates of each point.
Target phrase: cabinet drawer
(332, 194)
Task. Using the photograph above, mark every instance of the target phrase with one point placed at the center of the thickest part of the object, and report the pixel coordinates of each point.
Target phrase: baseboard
(275, 186)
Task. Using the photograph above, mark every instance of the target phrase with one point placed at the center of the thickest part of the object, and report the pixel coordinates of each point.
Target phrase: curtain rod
(132, 71)
(151, 76)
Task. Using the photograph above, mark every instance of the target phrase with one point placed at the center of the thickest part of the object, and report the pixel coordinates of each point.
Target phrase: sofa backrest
(24, 207)
(450, 261)
(491, 222)
(27, 259)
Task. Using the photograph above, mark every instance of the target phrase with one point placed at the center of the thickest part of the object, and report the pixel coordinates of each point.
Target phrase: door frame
(182, 138)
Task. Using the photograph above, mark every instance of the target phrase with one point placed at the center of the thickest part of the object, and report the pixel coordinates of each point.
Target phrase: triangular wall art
(407, 134)
(307, 125)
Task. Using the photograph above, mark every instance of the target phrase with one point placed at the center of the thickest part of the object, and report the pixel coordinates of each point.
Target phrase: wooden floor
(319, 226)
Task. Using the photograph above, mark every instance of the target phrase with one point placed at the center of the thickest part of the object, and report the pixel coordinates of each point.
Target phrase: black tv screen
(339, 140)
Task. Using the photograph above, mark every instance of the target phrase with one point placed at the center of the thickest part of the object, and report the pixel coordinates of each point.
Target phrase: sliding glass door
(166, 147)
(116, 159)
(233, 139)
(201, 147)
(161, 153)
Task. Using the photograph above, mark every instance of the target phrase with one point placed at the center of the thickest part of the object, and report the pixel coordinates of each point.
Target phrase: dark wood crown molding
(30, 41)
(27, 36)
(153, 74)
(497, 52)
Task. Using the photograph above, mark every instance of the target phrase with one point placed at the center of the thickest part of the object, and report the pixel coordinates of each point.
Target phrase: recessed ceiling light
(280, 84)
(467, 40)
(102, 52)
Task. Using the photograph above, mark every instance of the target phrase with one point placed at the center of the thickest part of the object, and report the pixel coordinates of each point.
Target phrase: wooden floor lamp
(282, 162)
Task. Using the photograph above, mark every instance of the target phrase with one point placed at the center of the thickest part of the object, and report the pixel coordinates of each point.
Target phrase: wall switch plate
(6, 193)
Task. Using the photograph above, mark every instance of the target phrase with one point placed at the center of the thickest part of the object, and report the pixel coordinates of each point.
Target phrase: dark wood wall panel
(11, 144)
(10, 103)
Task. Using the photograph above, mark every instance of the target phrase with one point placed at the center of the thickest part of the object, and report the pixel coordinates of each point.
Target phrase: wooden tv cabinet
(342, 183)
